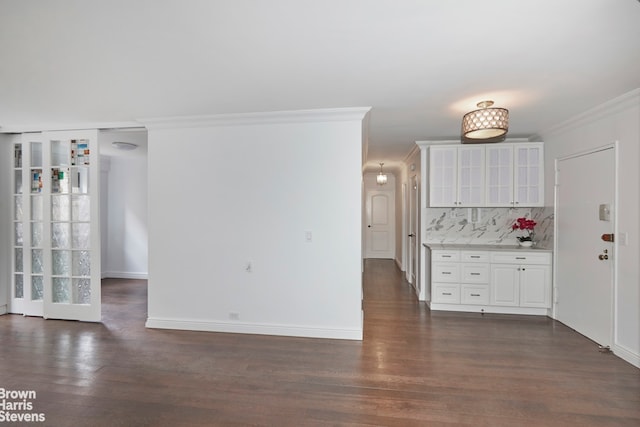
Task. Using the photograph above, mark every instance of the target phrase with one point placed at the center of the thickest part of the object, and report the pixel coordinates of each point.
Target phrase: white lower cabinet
(498, 281)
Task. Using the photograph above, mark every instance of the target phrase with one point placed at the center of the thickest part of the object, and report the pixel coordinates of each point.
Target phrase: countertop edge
(472, 247)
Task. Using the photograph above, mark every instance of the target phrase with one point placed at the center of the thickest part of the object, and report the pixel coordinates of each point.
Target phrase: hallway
(414, 368)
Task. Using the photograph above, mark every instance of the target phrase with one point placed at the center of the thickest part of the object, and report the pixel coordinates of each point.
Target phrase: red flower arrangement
(527, 225)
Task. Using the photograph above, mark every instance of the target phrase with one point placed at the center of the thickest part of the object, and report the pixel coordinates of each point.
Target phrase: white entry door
(380, 231)
(585, 200)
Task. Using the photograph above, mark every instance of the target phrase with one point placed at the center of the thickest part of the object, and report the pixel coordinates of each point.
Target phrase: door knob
(602, 257)
(412, 235)
(369, 226)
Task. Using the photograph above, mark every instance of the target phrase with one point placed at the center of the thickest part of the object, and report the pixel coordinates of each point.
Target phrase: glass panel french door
(58, 244)
(28, 267)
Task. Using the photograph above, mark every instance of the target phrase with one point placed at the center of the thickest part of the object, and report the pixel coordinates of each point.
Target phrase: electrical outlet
(234, 316)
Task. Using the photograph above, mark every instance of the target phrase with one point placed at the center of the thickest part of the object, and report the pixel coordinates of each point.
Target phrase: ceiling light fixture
(485, 123)
(126, 146)
(381, 179)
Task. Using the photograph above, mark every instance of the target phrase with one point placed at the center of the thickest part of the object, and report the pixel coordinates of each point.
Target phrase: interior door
(585, 193)
(380, 224)
(72, 224)
(413, 233)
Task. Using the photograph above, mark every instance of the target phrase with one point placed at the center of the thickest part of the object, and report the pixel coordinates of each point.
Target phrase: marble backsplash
(492, 226)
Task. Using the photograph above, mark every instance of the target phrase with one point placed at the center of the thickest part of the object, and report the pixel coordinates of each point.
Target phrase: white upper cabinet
(456, 176)
(514, 175)
(443, 174)
(471, 176)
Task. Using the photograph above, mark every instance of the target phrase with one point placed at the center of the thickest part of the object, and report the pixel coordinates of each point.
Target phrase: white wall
(235, 190)
(125, 249)
(618, 120)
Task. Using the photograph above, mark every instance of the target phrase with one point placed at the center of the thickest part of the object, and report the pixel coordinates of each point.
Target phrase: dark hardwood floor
(414, 368)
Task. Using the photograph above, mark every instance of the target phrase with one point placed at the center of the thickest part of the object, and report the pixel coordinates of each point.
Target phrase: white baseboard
(253, 328)
(124, 275)
(3, 309)
(626, 354)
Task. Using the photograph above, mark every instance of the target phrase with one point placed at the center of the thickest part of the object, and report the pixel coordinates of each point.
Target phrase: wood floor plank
(413, 368)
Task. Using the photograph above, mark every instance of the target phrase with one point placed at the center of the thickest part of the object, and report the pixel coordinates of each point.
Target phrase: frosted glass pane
(80, 235)
(61, 290)
(60, 208)
(36, 261)
(17, 211)
(81, 263)
(36, 234)
(19, 261)
(17, 156)
(18, 240)
(36, 181)
(37, 288)
(80, 180)
(493, 176)
(465, 177)
(61, 263)
(81, 291)
(80, 208)
(17, 189)
(534, 154)
(36, 208)
(60, 153)
(59, 180)
(523, 158)
(522, 176)
(19, 285)
(505, 195)
(36, 154)
(60, 235)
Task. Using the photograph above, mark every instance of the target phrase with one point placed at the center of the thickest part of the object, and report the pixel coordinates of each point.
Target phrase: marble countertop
(472, 247)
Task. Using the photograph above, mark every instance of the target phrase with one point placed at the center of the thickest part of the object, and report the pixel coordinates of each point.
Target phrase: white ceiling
(419, 64)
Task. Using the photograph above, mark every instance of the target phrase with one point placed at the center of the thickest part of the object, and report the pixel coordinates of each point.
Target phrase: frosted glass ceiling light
(485, 123)
(127, 146)
(381, 179)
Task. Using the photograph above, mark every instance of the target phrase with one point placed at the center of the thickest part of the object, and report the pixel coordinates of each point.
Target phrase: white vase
(526, 243)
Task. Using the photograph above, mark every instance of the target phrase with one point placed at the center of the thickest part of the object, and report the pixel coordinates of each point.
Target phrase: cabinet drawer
(445, 293)
(475, 273)
(521, 257)
(444, 272)
(474, 256)
(445, 256)
(474, 294)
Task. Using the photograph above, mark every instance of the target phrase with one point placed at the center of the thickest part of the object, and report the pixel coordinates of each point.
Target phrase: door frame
(614, 273)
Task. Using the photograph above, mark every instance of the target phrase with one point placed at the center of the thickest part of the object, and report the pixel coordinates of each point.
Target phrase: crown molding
(614, 106)
(247, 119)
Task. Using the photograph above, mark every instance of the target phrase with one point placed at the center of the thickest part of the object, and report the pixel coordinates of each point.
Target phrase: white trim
(424, 144)
(3, 309)
(627, 355)
(488, 309)
(44, 127)
(614, 106)
(245, 119)
(253, 328)
(124, 275)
